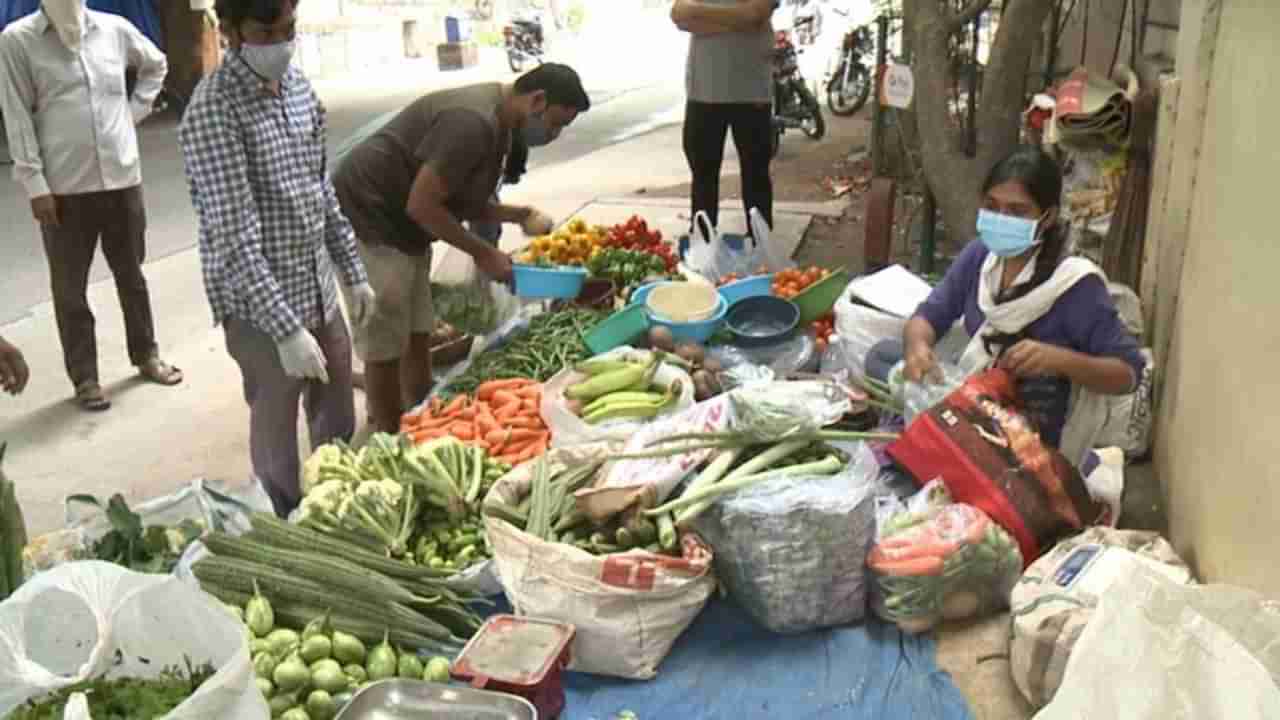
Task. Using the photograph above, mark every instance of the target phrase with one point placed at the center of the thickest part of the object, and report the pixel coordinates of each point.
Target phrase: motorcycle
(850, 83)
(794, 104)
(523, 39)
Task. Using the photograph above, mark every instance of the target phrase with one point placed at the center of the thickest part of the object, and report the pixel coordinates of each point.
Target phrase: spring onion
(827, 466)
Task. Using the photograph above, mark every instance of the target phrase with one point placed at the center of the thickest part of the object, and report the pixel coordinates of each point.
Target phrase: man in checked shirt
(271, 234)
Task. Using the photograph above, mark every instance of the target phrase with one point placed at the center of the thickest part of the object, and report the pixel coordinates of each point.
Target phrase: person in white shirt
(70, 124)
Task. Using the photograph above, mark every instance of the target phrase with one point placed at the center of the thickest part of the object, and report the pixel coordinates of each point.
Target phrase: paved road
(620, 109)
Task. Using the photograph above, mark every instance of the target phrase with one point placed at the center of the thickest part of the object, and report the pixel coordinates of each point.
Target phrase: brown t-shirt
(456, 132)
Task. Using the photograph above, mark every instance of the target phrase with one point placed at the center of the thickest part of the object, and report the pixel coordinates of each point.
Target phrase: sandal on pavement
(89, 395)
(160, 372)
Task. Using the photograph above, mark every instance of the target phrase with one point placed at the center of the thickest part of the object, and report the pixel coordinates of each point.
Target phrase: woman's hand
(920, 362)
(1032, 358)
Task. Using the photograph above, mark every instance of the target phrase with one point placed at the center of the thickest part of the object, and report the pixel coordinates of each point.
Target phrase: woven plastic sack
(92, 619)
(628, 608)
(1058, 595)
(791, 551)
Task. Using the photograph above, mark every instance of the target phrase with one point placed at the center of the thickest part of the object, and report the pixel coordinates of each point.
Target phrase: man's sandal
(160, 372)
(89, 396)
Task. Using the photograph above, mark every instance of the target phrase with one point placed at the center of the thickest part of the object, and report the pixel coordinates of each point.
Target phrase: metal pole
(929, 211)
(877, 113)
(971, 148)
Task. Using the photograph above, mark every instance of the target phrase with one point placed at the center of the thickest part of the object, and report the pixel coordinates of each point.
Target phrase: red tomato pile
(790, 283)
(823, 328)
(635, 234)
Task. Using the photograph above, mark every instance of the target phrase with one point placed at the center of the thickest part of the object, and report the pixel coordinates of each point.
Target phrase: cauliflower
(324, 456)
(326, 497)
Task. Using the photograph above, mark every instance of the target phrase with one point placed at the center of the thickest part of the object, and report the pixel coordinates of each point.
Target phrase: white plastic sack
(859, 327)
(793, 551)
(628, 608)
(569, 429)
(89, 619)
(712, 256)
(1160, 650)
(1129, 417)
(466, 298)
(1058, 596)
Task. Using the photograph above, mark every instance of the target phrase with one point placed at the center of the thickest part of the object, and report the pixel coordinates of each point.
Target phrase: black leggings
(705, 127)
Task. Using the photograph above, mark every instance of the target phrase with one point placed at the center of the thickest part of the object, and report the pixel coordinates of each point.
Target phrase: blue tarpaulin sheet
(142, 13)
(727, 667)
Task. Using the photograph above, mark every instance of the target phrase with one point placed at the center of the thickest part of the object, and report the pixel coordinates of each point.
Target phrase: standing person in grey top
(728, 86)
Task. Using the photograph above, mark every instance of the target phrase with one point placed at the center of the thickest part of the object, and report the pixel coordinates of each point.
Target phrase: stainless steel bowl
(415, 699)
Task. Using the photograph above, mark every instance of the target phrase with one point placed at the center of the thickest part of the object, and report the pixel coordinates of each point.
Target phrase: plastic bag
(858, 328)
(1058, 596)
(941, 563)
(797, 354)
(628, 608)
(713, 254)
(990, 456)
(569, 429)
(791, 551)
(918, 397)
(466, 298)
(88, 619)
(1130, 417)
(777, 410)
(1157, 649)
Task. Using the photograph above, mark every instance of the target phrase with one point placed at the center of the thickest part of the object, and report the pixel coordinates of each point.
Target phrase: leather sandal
(160, 372)
(89, 396)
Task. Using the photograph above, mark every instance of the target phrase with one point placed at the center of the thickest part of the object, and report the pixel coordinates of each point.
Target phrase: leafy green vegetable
(150, 549)
(626, 268)
(122, 698)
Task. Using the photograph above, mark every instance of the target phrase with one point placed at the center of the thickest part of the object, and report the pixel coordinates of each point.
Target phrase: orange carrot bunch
(503, 418)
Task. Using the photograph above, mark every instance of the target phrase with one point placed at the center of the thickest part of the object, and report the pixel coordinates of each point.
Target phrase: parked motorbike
(850, 83)
(523, 38)
(794, 104)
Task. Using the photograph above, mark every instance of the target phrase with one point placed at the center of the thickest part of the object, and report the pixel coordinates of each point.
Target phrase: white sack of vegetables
(88, 620)
(612, 395)
(792, 551)
(629, 608)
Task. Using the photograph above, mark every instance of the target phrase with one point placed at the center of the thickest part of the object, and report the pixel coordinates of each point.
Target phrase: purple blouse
(1084, 319)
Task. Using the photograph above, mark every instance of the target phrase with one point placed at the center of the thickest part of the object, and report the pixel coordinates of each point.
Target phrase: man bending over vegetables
(253, 139)
(427, 170)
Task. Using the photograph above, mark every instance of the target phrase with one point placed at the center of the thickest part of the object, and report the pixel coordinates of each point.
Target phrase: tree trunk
(955, 178)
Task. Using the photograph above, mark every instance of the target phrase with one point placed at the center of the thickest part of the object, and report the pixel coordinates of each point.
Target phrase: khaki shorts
(403, 286)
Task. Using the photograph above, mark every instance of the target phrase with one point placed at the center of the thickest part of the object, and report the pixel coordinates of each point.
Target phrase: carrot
(530, 452)
(506, 412)
(529, 405)
(467, 414)
(410, 418)
(502, 398)
(433, 423)
(499, 438)
(523, 435)
(533, 392)
(525, 422)
(420, 436)
(461, 430)
(909, 567)
(512, 460)
(436, 404)
(455, 405)
(486, 423)
(486, 389)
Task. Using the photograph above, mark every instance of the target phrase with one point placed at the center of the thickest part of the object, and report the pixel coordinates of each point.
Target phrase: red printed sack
(991, 457)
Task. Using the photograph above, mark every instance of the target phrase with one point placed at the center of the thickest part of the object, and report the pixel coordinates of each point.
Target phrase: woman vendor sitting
(1045, 318)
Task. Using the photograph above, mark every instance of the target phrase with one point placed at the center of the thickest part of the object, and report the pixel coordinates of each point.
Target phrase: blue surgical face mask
(269, 62)
(1006, 235)
(536, 132)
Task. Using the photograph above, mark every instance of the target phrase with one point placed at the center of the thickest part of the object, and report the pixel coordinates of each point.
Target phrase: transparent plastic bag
(774, 411)
(713, 254)
(945, 563)
(569, 429)
(466, 298)
(918, 397)
(92, 619)
(791, 551)
(797, 354)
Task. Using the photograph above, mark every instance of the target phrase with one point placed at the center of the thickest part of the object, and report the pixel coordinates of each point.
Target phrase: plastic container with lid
(521, 656)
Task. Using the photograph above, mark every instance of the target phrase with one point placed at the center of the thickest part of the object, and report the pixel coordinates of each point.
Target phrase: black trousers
(118, 219)
(705, 128)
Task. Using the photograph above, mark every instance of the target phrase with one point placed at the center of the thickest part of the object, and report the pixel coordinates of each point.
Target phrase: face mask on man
(536, 132)
(1007, 235)
(68, 20)
(269, 62)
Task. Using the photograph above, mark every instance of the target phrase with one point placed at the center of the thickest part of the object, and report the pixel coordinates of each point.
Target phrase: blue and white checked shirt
(270, 227)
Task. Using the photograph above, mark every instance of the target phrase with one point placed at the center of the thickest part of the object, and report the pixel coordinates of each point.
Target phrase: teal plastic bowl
(640, 295)
(747, 287)
(620, 328)
(561, 282)
(698, 332)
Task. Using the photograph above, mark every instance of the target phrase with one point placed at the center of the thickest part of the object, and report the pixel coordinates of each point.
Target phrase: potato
(702, 385)
(692, 353)
(662, 339)
(712, 366)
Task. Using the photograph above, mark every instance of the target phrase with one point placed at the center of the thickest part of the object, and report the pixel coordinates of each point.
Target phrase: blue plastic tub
(698, 332)
(561, 282)
(640, 295)
(747, 287)
(762, 321)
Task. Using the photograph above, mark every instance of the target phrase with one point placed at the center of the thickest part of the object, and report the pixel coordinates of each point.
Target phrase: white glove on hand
(301, 357)
(538, 223)
(361, 301)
